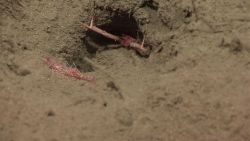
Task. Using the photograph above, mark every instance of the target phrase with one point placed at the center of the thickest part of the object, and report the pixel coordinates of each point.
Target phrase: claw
(142, 44)
(124, 39)
(91, 22)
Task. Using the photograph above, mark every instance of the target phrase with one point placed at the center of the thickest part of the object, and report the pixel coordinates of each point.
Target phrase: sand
(193, 86)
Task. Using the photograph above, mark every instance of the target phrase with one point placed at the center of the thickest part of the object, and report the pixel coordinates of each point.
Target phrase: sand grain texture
(195, 85)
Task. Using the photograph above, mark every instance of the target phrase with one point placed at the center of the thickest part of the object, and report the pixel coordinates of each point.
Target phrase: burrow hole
(122, 24)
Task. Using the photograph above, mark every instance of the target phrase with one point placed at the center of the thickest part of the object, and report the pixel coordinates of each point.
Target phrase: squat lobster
(125, 40)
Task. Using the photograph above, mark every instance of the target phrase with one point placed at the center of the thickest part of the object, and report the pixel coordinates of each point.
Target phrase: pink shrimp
(53, 64)
(67, 71)
(73, 72)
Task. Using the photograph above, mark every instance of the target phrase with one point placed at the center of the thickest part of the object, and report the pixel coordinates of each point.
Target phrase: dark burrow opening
(121, 24)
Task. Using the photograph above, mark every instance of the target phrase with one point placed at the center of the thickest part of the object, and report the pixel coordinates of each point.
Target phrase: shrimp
(67, 71)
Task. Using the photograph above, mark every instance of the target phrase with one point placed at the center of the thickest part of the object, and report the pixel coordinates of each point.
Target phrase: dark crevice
(151, 4)
(187, 13)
